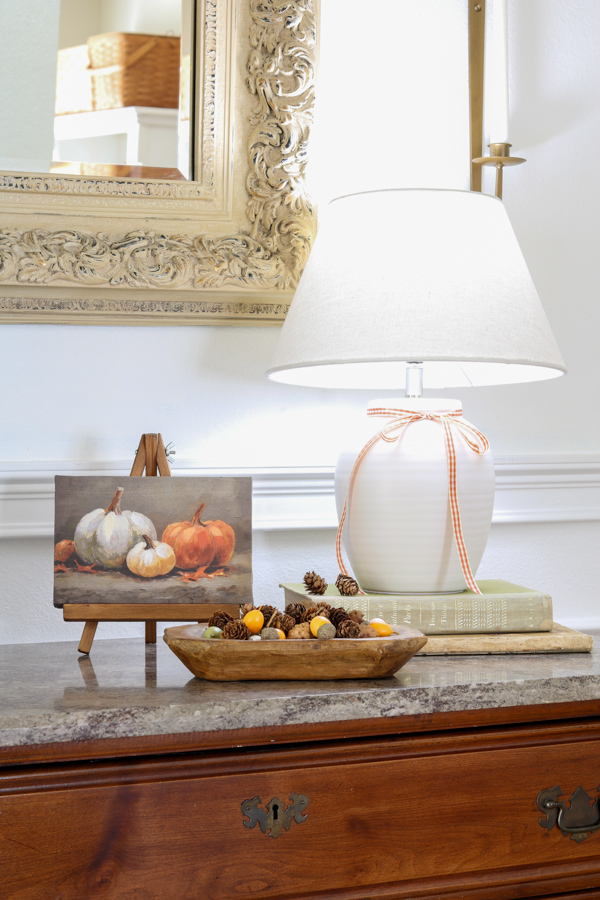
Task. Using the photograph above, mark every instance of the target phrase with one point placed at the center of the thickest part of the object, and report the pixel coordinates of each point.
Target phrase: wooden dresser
(123, 777)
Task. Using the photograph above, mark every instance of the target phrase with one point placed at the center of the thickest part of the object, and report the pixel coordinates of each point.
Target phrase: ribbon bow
(451, 421)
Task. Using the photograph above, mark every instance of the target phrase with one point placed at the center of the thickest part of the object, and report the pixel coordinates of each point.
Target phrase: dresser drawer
(453, 815)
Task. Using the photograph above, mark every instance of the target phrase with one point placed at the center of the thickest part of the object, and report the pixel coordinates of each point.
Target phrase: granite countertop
(49, 693)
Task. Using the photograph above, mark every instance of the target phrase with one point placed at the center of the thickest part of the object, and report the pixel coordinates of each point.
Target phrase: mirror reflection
(96, 87)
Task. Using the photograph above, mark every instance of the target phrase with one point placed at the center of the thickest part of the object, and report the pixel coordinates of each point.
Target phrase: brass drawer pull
(277, 818)
(577, 821)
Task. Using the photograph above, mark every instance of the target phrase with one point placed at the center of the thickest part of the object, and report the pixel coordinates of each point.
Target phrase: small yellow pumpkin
(150, 558)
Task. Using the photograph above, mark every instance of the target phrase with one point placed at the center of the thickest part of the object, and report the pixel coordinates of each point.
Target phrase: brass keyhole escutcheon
(277, 817)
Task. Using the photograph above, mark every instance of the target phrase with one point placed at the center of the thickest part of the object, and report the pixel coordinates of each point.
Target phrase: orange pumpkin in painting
(198, 543)
(63, 551)
(224, 538)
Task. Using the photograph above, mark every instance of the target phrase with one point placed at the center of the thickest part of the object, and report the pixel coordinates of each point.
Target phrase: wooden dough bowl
(296, 660)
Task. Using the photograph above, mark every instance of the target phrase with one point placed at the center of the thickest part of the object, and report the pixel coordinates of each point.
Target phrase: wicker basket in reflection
(73, 81)
(134, 70)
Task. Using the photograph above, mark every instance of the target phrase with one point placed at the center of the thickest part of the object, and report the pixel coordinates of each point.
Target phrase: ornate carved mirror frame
(228, 248)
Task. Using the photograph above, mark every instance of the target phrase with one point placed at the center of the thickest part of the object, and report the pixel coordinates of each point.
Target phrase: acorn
(212, 632)
(326, 631)
(270, 634)
(316, 622)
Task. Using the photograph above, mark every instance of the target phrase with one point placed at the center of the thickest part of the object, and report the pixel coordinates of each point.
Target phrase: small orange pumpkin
(193, 543)
(64, 550)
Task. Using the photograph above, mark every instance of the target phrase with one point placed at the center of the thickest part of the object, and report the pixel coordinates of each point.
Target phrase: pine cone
(286, 624)
(246, 608)
(309, 614)
(356, 616)
(267, 612)
(220, 619)
(236, 630)
(347, 629)
(295, 610)
(338, 615)
(314, 583)
(346, 585)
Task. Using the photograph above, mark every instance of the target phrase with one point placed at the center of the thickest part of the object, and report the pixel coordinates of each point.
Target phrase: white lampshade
(397, 276)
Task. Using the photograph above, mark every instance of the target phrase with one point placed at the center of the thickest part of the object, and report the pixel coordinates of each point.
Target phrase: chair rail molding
(544, 488)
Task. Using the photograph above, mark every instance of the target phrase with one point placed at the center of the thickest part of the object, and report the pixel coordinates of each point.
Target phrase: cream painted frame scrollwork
(228, 248)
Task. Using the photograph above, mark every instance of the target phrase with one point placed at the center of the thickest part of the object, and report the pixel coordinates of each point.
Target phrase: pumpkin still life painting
(152, 540)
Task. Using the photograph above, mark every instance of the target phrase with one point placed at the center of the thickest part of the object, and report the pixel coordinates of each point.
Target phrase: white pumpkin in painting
(150, 558)
(105, 536)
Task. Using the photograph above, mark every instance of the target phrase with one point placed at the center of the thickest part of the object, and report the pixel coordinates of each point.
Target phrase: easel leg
(87, 638)
(151, 456)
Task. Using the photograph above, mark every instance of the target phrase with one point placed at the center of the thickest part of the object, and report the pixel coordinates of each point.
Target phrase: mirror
(112, 85)
(122, 246)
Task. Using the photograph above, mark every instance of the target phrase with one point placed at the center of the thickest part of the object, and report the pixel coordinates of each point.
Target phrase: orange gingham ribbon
(451, 421)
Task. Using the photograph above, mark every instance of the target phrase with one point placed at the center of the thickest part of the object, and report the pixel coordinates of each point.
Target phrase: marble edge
(125, 722)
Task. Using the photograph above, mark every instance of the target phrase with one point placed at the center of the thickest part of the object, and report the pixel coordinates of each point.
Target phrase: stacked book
(504, 618)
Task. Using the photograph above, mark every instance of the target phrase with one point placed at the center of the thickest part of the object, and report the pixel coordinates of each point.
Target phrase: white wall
(392, 106)
(87, 393)
(78, 20)
(143, 16)
(28, 47)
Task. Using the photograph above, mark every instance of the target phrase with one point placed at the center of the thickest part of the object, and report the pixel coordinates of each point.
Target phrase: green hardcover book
(502, 607)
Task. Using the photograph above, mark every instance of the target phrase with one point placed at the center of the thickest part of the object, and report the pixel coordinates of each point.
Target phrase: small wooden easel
(151, 456)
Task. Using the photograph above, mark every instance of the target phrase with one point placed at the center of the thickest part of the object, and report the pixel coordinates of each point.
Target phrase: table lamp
(405, 288)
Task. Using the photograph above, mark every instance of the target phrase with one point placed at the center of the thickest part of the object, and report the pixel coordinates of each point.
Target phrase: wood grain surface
(162, 612)
(430, 816)
(294, 660)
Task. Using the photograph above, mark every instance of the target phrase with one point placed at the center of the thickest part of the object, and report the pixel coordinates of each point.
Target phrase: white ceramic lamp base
(399, 536)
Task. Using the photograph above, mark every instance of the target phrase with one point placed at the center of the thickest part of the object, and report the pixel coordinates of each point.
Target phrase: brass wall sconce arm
(499, 152)
(499, 157)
